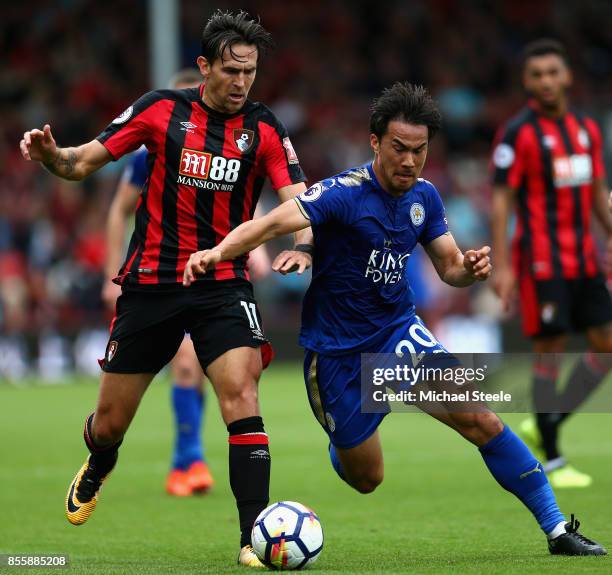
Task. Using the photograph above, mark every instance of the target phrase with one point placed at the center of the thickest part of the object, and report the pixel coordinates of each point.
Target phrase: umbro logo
(188, 127)
(259, 454)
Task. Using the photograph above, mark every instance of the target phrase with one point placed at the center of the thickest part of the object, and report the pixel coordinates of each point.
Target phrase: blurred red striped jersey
(551, 164)
(206, 171)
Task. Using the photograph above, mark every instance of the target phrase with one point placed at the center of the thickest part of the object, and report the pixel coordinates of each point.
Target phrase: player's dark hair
(408, 103)
(543, 47)
(225, 30)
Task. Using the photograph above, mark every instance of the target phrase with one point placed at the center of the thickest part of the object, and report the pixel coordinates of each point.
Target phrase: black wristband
(306, 248)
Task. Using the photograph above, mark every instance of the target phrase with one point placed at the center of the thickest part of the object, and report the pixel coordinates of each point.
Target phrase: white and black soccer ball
(287, 535)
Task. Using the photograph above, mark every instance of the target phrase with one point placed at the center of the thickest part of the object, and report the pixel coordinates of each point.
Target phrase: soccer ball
(287, 535)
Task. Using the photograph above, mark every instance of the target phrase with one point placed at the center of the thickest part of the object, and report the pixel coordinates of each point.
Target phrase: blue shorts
(333, 384)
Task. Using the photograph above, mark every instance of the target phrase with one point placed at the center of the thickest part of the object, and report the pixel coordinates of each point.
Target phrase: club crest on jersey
(244, 139)
(417, 214)
(112, 350)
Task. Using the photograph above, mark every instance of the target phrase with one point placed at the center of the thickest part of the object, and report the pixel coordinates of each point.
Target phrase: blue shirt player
(366, 222)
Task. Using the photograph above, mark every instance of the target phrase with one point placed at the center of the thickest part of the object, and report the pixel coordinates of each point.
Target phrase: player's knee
(107, 431)
(186, 373)
(489, 425)
(368, 483)
(238, 401)
(480, 427)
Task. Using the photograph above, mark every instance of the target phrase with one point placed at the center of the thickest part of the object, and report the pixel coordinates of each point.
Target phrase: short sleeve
(507, 160)
(322, 203)
(599, 170)
(435, 217)
(280, 161)
(134, 126)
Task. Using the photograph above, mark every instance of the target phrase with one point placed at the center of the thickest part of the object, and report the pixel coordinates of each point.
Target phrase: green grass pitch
(438, 510)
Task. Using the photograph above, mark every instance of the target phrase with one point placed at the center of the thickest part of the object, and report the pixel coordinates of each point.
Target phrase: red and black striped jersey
(206, 171)
(551, 164)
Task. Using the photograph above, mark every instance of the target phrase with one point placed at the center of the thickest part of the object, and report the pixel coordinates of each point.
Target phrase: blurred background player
(548, 163)
(190, 473)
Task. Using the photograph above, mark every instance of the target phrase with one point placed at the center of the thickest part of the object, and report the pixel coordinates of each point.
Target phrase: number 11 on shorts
(251, 313)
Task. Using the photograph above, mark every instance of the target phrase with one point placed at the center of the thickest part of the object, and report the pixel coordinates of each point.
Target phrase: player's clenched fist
(477, 263)
(198, 263)
(39, 145)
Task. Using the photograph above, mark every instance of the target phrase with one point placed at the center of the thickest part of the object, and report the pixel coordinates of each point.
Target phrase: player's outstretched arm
(68, 163)
(284, 219)
(455, 268)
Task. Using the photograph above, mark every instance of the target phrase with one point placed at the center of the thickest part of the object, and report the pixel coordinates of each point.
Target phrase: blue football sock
(201, 413)
(336, 462)
(518, 471)
(187, 416)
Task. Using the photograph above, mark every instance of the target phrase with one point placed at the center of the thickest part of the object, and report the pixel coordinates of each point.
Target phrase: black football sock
(249, 468)
(586, 376)
(103, 458)
(545, 375)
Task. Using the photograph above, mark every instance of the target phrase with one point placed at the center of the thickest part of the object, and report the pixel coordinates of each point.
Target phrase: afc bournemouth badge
(244, 139)
(111, 351)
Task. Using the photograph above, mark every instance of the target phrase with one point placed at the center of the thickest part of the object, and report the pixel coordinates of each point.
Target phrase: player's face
(399, 156)
(546, 78)
(229, 78)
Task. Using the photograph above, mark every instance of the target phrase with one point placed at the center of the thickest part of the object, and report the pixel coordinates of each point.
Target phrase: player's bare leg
(234, 377)
(362, 467)
(190, 473)
(118, 400)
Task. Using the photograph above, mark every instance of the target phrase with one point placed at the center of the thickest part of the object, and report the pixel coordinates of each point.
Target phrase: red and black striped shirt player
(551, 165)
(206, 172)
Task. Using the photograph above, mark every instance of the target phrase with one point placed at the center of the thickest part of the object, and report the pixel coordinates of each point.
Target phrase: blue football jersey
(136, 171)
(363, 237)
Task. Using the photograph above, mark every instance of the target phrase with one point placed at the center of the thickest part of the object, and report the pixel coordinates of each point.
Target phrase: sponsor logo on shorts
(112, 350)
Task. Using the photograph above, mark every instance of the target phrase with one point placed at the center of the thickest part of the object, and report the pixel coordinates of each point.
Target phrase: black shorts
(149, 325)
(558, 306)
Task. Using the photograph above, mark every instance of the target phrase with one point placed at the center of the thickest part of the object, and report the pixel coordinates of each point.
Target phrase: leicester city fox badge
(244, 139)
